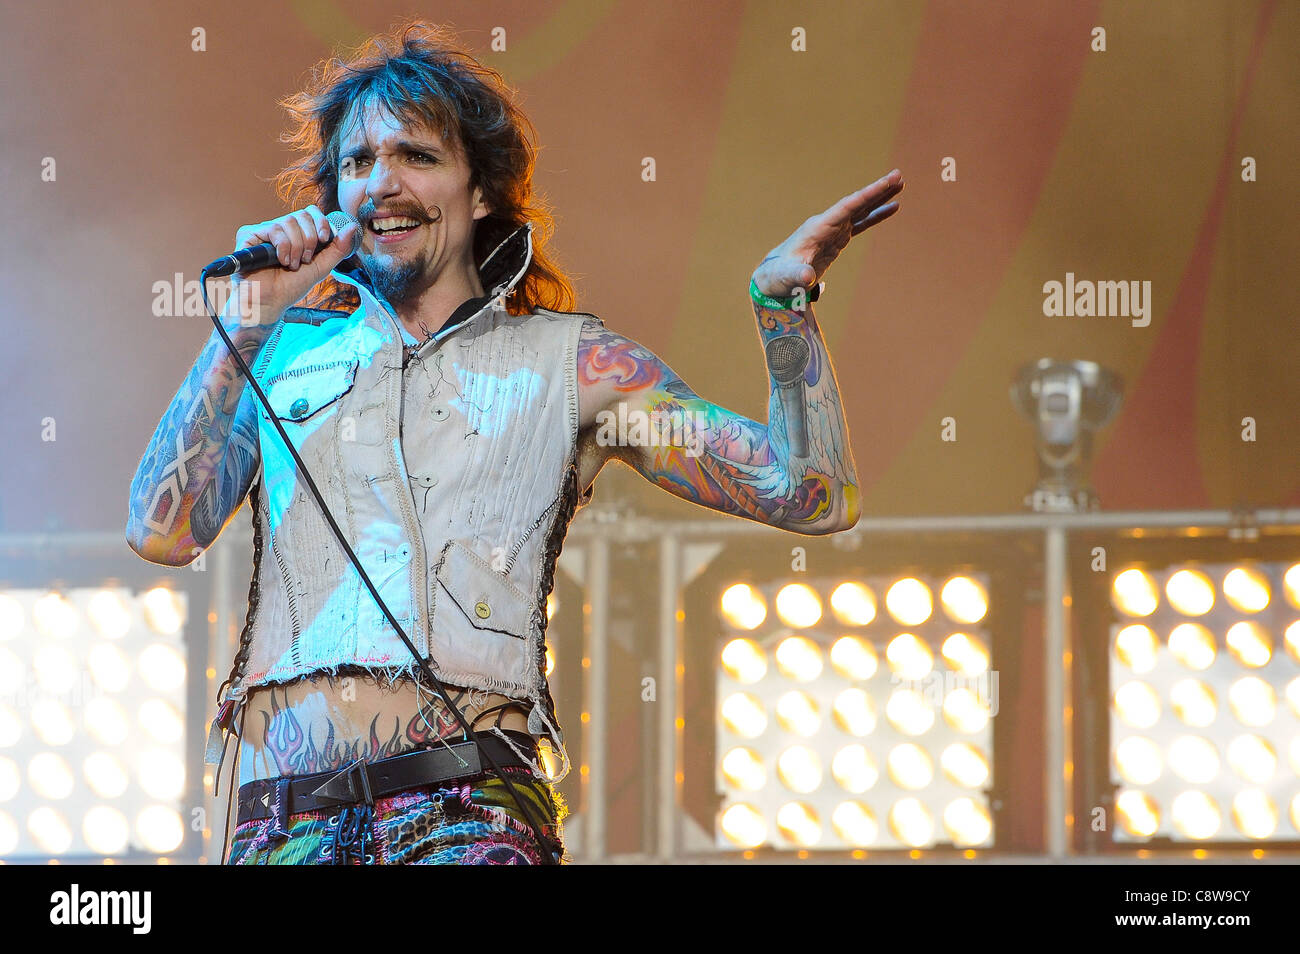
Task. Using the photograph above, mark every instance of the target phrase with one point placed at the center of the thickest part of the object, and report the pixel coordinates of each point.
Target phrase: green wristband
(780, 304)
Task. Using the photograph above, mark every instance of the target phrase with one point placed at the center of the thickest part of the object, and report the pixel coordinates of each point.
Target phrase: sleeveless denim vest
(453, 478)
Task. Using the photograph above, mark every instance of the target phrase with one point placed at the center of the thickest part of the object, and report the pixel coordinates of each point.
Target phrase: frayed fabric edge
(389, 674)
(557, 741)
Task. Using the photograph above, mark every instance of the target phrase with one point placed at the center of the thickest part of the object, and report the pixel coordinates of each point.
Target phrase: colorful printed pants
(465, 821)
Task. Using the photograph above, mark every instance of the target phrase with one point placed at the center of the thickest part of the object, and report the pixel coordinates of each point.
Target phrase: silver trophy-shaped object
(1067, 401)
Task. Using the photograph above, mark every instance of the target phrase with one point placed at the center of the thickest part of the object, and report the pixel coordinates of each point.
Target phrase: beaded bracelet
(782, 304)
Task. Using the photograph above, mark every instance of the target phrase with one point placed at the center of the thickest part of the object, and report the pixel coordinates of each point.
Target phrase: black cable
(549, 854)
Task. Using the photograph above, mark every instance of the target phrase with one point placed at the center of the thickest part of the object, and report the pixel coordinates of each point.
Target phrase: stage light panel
(1201, 743)
(864, 729)
(92, 729)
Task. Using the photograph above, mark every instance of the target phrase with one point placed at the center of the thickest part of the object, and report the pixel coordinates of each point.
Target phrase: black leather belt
(362, 782)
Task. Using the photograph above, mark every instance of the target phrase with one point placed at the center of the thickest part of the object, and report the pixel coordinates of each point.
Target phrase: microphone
(787, 358)
(264, 255)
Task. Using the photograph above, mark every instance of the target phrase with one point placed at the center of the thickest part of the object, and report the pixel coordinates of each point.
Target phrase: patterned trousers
(463, 821)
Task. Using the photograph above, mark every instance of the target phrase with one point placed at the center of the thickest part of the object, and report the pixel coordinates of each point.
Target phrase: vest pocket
(486, 598)
(298, 394)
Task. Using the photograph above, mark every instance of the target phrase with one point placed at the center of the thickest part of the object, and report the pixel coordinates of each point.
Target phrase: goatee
(393, 281)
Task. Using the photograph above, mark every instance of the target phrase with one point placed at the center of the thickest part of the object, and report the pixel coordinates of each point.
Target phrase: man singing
(453, 414)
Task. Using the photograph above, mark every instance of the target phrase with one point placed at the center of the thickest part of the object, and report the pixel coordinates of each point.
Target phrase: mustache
(366, 214)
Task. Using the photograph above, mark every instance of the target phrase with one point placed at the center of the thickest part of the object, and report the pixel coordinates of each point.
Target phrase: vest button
(439, 412)
(298, 408)
(482, 610)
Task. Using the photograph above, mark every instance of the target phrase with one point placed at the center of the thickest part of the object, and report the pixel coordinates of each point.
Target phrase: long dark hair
(421, 74)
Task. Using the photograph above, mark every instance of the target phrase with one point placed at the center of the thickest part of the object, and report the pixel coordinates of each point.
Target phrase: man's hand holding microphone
(278, 261)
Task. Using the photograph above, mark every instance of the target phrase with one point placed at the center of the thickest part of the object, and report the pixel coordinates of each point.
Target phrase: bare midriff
(322, 723)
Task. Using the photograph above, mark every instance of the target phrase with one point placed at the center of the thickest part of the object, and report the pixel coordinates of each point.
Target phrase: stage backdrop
(1151, 142)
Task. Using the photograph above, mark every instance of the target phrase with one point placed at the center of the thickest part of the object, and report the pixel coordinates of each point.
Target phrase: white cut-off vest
(449, 479)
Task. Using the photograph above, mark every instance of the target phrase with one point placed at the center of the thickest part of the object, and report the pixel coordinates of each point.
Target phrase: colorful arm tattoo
(202, 457)
(795, 472)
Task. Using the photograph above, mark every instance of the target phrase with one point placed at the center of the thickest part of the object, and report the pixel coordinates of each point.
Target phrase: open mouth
(393, 227)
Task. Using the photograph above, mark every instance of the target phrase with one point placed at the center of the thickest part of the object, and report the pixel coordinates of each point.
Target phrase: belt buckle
(341, 789)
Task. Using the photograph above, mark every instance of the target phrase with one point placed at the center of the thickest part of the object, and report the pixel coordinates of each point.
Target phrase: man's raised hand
(802, 259)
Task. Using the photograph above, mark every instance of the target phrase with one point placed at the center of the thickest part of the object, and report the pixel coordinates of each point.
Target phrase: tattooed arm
(647, 417)
(204, 453)
(797, 471)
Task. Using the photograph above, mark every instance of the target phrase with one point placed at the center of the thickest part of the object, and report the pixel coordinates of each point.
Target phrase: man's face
(410, 191)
